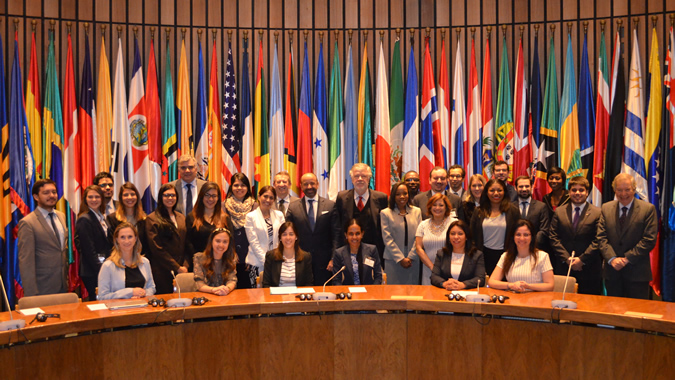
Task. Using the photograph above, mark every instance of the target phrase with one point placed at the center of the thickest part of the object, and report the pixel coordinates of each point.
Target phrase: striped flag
(33, 110)
(442, 145)
(231, 130)
(319, 124)
(138, 130)
(473, 150)
(535, 122)
(154, 118)
(586, 115)
(601, 124)
(169, 131)
(72, 174)
(276, 126)
(634, 132)
(668, 211)
(487, 139)
(396, 114)
(350, 136)
(87, 121)
(52, 122)
(613, 156)
(364, 120)
(5, 200)
(570, 156)
(217, 152)
(290, 128)
(429, 120)
(382, 126)
(262, 153)
(411, 124)
(336, 176)
(183, 107)
(102, 134)
(522, 156)
(458, 133)
(122, 162)
(504, 117)
(247, 150)
(304, 122)
(202, 133)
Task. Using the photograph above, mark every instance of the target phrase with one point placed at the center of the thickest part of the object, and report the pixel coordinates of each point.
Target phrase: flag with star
(504, 115)
(231, 128)
(319, 124)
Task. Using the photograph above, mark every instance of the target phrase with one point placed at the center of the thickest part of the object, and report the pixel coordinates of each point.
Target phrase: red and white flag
(522, 154)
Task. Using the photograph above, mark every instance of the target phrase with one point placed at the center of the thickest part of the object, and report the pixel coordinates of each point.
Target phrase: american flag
(231, 130)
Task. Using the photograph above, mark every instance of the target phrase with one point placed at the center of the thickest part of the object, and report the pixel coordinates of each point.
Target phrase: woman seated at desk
(287, 265)
(525, 267)
(125, 274)
(361, 261)
(458, 265)
(214, 268)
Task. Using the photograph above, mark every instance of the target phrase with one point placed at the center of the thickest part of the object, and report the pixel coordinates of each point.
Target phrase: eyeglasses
(169, 195)
(211, 196)
(496, 298)
(454, 297)
(105, 185)
(183, 168)
(412, 180)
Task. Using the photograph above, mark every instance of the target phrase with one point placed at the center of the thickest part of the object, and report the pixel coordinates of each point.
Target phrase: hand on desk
(453, 284)
(221, 290)
(138, 293)
(518, 286)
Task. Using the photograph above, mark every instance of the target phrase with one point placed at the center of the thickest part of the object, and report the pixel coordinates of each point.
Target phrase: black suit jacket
(512, 217)
(91, 241)
(422, 199)
(344, 204)
(583, 241)
(511, 192)
(166, 250)
(272, 270)
(473, 269)
(367, 275)
(537, 214)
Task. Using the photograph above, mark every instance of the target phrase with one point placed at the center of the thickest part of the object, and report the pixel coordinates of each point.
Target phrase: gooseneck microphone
(12, 324)
(481, 298)
(562, 304)
(178, 302)
(321, 296)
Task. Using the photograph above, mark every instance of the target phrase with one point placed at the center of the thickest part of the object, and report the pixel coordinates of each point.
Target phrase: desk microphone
(11, 324)
(562, 304)
(322, 296)
(480, 298)
(178, 302)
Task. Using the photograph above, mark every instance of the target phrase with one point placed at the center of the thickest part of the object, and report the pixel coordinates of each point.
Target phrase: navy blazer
(272, 270)
(91, 241)
(473, 269)
(367, 275)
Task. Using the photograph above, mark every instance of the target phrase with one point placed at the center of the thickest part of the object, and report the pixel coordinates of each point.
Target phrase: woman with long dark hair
(287, 264)
(215, 271)
(262, 225)
(206, 216)
(458, 264)
(239, 202)
(130, 210)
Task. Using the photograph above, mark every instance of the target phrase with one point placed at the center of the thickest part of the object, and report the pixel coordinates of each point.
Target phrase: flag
(336, 176)
(613, 155)
(539, 184)
(276, 126)
(570, 156)
(5, 200)
(231, 130)
(522, 155)
(411, 124)
(153, 114)
(653, 151)
(473, 150)
(33, 111)
(290, 131)
(458, 134)
(382, 126)
(72, 174)
(138, 132)
(201, 129)
(262, 153)
(442, 136)
(396, 114)
(122, 168)
(183, 107)
(319, 132)
(52, 122)
(668, 208)
(247, 151)
(634, 131)
(504, 117)
(304, 122)
(487, 139)
(364, 120)
(351, 133)
(217, 152)
(86, 121)
(547, 151)
(586, 112)
(430, 123)
(103, 126)
(601, 125)
(169, 131)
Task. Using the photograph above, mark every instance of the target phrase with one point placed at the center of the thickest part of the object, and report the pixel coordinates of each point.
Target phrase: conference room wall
(324, 18)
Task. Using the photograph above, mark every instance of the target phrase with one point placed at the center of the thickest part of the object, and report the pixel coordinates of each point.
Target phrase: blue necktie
(56, 231)
(188, 199)
(310, 214)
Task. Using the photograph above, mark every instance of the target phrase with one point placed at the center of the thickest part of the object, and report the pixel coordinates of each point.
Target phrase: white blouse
(521, 269)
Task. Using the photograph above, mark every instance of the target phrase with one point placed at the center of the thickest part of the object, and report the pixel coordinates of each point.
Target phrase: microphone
(562, 304)
(178, 302)
(322, 296)
(12, 324)
(480, 298)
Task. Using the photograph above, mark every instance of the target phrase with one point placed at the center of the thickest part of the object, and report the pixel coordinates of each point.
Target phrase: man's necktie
(310, 214)
(188, 199)
(56, 231)
(360, 205)
(576, 217)
(523, 209)
(622, 218)
(282, 206)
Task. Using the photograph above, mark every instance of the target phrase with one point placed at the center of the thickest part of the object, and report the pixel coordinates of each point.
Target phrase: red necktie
(360, 204)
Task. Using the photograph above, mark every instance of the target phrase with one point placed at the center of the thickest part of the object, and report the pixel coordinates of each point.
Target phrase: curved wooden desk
(252, 334)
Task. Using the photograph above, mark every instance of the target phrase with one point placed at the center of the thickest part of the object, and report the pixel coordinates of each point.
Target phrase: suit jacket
(256, 232)
(344, 204)
(633, 241)
(166, 250)
(511, 192)
(42, 259)
(583, 241)
(537, 214)
(112, 281)
(92, 244)
(473, 269)
(325, 239)
(422, 199)
(512, 217)
(367, 275)
(272, 270)
(565, 199)
(393, 233)
(178, 184)
(291, 199)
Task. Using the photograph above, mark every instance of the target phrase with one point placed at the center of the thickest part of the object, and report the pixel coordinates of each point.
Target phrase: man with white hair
(188, 185)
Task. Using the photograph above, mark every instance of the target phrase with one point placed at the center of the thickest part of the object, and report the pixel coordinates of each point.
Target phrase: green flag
(504, 117)
(396, 114)
(169, 138)
(336, 179)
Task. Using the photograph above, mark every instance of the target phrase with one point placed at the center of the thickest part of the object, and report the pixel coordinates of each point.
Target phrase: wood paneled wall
(405, 18)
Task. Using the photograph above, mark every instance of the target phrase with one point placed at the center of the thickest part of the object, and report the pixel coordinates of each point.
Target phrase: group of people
(448, 237)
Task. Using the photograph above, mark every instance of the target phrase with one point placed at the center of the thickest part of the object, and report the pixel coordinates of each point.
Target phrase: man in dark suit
(282, 184)
(501, 171)
(533, 210)
(456, 175)
(43, 245)
(574, 229)
(412, 180)
(364, 204)
(627, 234)
(188, 185)
(104, 180)
(438, 178)
(318, 233)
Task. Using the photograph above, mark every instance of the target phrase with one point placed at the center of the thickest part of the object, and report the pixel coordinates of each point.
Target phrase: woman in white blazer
(261, 227)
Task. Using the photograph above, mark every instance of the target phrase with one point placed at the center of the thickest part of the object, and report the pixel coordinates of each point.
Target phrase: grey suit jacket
(565, 239)
(275, 205)
(422, 199)
(178, 184)
(42, 261)
(634, 240)
(537, 214)
(394, 236)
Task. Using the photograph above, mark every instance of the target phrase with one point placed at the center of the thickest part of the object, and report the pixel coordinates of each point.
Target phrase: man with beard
(533, 210)
(438, 178)
(104, 180)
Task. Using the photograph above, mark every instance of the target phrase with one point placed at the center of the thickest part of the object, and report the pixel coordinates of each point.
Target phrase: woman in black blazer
(367, 259)
(470, 265)
(91, 237)
(287, 265)
(129, 210)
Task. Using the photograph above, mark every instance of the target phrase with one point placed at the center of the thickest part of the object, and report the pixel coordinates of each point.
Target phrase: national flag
(547, 151)
(487, 139)
(304, 122)
(411, 124)
(382, 126)
(396, 114)
(231, 127)
(504, 117)
(217, 152)
(613, 155)
(72, 174)
(122, 168)
(276, 123)
(52, 121)
(336, 171)
(570, 156)
(473, 150)
(536, 105)
(586, 112)
(522, 156)
(601, 124)
(444, 150)
(247, 150)
(33, 110)
(290, 128)
(261, 134)
(458, 134)
(169, 132)
(430, 123)
(86, 121)
(104, 116)
(138, 132)
(364, 116)
(184, 107)
(634, 131)
(668, 204)
(154, 118)
(319, 125)
(5, 200)
(202, 142)
(351, 133)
